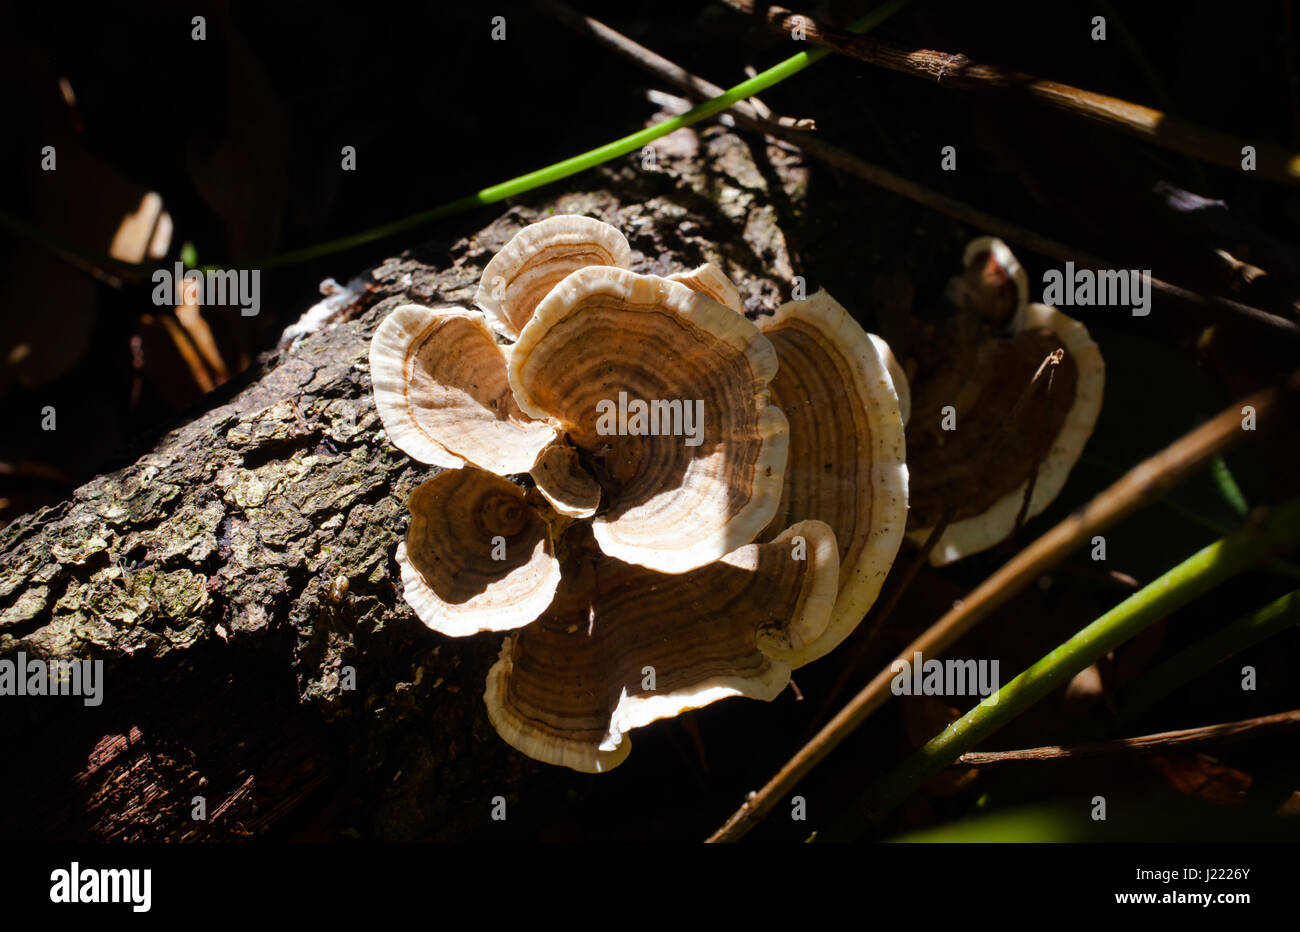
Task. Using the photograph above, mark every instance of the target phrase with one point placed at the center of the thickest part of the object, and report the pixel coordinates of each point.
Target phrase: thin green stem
(1036, 824)
(590, 159)
(1188, 580)
(99, 264)
(1272, 564)
(1208, 652)
(1228, 487)
(506, 189)
(1167, 500)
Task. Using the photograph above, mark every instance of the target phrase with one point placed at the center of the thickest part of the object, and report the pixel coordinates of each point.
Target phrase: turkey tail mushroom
(538, 257)
(624, 646)
(1004, 400)
(846, 462)
(666, 391)
(443, 395)
(476, 557)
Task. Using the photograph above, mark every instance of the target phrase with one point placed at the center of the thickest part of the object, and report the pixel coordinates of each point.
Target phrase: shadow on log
(206, 575)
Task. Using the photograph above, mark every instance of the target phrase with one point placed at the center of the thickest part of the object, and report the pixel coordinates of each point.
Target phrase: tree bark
(238, 577)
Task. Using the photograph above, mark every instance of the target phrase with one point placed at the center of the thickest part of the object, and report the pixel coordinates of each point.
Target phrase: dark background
(241, 134)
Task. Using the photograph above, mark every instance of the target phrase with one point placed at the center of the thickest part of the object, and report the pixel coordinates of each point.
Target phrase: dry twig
(1164, 741)
(1142, 485)
(1139, 486)
(958, 71)
(776, 129)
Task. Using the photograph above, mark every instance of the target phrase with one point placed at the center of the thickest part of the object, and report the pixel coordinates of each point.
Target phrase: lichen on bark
(206, 574)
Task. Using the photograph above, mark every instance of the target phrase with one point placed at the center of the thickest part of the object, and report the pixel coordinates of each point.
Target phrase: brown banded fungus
(846, 461)
(1006, 394)
(539, 256)
(666, 391)
(565, 482)
(443, 395)
(710, 280)
(476, 557)
(663, 561)
(615, 652)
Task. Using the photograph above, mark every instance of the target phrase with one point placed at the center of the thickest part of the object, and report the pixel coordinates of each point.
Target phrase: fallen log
(261, 675)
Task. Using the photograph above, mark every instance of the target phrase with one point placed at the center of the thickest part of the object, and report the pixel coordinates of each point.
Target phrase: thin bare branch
(775, 129)
(958, 71)
(1164, 741)
(847, 161)
(756, 113)
(1138, 487)
(1142, 485)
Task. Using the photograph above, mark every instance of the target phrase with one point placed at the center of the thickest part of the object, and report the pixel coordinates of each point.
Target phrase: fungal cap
(564, 483)
(541, 254)
(692, 453)
(703, 636)
(995, 523)
(846, 449)
(994, 283)
(710, 280)
(476, 557)
(443, 395)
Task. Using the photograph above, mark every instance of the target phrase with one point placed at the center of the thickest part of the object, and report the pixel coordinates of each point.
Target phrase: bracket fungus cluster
(709, 502)
(1004, 395)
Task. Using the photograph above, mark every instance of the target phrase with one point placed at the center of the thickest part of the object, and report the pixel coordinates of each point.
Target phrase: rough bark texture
(204, 574)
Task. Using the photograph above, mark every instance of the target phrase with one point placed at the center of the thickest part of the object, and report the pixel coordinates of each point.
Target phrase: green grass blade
(506, 189)
(1208, 652)
(1228, 487)
(590, 159)
(1188, 580)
